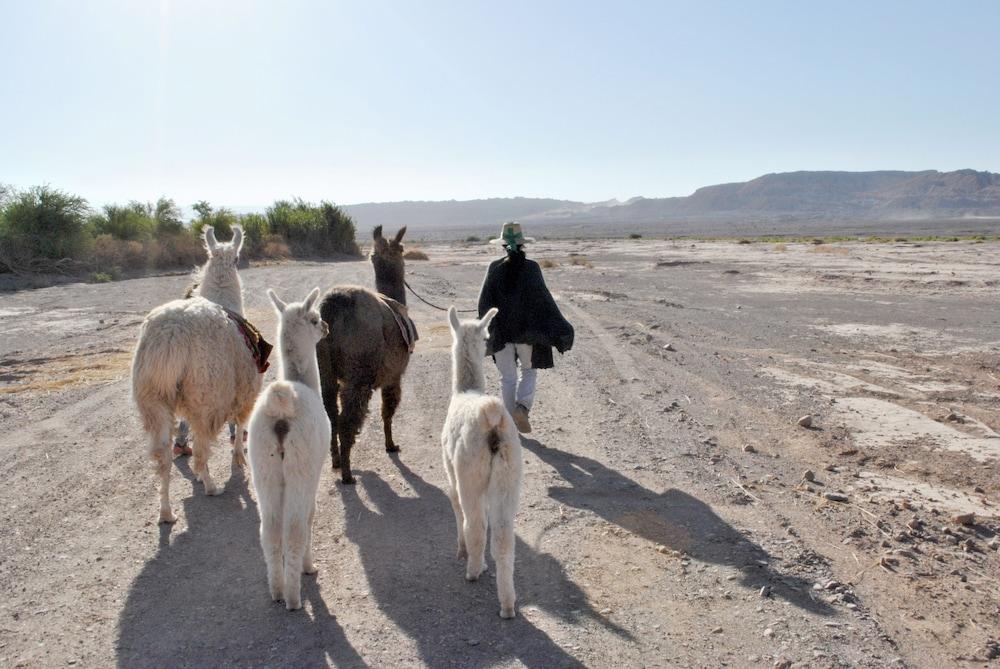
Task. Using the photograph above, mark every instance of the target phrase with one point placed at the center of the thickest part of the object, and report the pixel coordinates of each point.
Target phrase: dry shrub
(415, 254)
(274, 247)
(581, 261)
(826, 248)
(117, 253)
(176, 250)
(781, 248)
(547, 263)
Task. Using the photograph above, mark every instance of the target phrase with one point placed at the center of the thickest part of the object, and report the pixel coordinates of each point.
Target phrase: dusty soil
(665, 519)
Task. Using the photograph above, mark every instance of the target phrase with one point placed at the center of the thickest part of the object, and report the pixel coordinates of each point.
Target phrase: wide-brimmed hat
(511, 235)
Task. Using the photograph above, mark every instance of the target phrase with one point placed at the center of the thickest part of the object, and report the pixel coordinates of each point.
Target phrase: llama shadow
(407, 549)
(203, 600)
(672, 518)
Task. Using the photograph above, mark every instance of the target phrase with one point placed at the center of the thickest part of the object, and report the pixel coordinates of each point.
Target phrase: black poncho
(528, 314)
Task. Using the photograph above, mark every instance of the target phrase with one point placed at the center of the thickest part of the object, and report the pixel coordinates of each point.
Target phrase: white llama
(288, 442)
(192, 360)
(482, 458)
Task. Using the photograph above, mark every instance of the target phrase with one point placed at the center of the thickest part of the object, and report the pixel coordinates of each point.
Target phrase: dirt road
(665, 519)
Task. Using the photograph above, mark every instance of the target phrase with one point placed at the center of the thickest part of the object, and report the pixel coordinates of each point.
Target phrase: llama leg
(460, 551)
(330, 389)
(502, 549)
(308, 567)
(294, 544)
(390, 400)
(202, 451)
(475, 532)
(270, 541)
(159, 449)
(239, 450)
(354, 406)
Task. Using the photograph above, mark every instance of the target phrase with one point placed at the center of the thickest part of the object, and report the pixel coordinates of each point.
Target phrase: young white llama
(482, 459)
(289, 438)
(193, 360)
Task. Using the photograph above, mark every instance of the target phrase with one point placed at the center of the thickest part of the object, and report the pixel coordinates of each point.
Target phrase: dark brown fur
(493, 440)
(363, 351)
(281, 431)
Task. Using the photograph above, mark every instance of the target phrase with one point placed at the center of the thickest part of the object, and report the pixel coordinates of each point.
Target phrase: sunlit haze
(242, 102)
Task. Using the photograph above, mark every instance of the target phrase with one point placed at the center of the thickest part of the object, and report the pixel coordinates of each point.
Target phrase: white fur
(481, 483)
(218, 280)
(191, 360)
(286, 471)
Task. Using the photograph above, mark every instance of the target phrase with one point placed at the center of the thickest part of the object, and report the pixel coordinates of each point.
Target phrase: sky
(242, 102)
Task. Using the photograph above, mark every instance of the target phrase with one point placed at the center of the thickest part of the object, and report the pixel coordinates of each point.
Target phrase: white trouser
(516, 392)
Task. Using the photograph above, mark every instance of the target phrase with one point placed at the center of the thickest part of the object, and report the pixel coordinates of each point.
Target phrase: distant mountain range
(800, 197)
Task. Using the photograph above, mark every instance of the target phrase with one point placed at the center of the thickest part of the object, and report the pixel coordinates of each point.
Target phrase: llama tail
(280, 401)
(505, 457)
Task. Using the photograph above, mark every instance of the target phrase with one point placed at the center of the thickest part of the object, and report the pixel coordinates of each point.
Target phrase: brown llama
(368, 347)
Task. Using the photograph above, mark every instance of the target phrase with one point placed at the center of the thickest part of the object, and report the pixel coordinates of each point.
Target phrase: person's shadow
(407, 549)
(203, 599)
(672, 518)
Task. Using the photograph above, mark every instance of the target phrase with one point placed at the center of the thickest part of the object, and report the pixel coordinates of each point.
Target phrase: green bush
(255, 229)
(132, 222)
(222, 220)
(168, 217)
(312, 230)
(40, 224)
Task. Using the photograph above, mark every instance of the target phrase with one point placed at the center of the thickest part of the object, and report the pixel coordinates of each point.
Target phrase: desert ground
(674, 513)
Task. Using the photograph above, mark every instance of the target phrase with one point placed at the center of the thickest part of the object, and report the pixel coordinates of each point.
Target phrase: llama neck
(222, 286)
(467, 371)
(389, 279)
(298, 362)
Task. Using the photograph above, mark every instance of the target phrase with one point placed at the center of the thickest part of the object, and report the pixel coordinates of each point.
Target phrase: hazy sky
(242, 102)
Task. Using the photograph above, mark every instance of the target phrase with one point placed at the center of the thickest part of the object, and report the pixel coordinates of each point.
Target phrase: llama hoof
(472, 575)
(214, 490)
(239, 459)
(461, 553)
(293, 604)
(168, 517)
(310, 569)
(392, 448)
(276, 593)
(335, 463)
(347, 479)
(507, 612)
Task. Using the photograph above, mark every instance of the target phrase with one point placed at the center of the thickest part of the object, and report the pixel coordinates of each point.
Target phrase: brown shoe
(520, 417)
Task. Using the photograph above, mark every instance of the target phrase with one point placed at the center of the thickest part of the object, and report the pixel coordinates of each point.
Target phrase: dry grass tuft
(581, 261)
(781, 248)
(415, 254)
(826, 248)
(547, 263)
(65, 371)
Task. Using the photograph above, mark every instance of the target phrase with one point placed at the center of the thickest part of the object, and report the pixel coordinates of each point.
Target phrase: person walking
(528, 326)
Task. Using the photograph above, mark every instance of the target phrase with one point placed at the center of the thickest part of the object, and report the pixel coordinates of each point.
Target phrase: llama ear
(399, 235)
(308, 304)
(278, 304)
(484, 322)
(377, 232)
(209, 235)
(453, 318)
(237, 238)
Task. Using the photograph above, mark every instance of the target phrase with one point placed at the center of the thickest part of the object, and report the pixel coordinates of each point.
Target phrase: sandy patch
(948, 500)
(879, 424)
(832, 383)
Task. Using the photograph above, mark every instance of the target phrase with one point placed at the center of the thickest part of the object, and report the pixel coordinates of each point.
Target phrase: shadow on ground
(203, 600)
(672, 518)
(407, 547)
